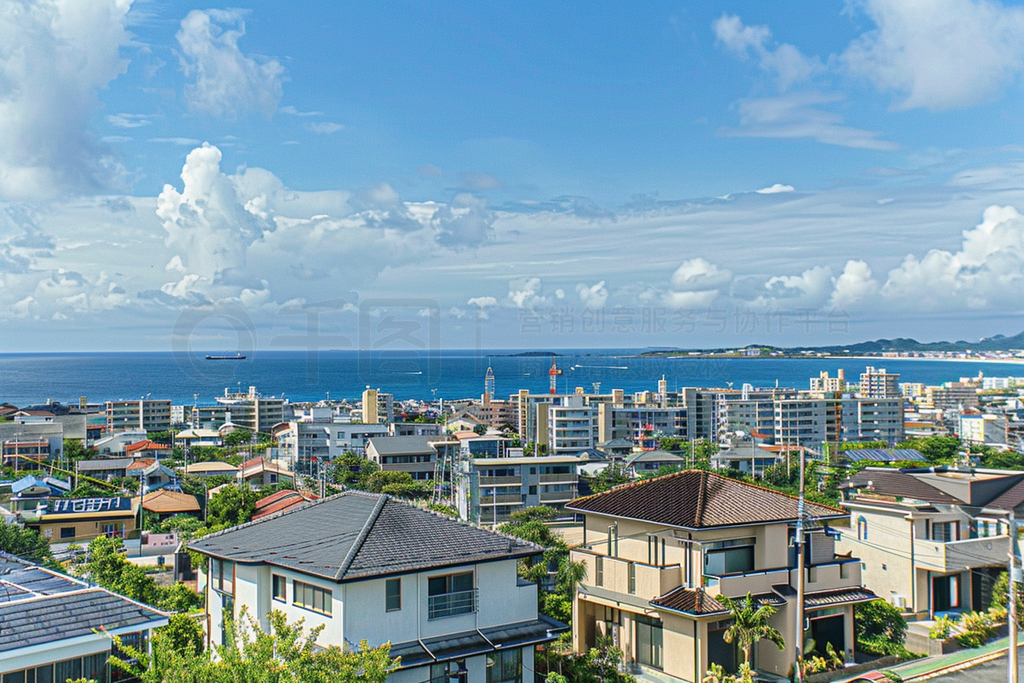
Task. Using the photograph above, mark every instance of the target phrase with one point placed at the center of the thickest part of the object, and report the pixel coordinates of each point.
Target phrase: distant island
(999, 346)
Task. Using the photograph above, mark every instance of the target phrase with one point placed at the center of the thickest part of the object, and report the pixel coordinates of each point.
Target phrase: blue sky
(509, 174)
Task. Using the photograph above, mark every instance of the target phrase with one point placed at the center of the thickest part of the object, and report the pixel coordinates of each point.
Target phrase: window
(312, 597)
(447, 673)
(648, 641)
(227, 613)
(533, 490)
(632, 578)
(862, 529)
(280, 588)
(599, 571)
(393, 592)
(729, 557)
(67, 532)
(944, 532)
(505, 666)
(222, 576)
(450, 595)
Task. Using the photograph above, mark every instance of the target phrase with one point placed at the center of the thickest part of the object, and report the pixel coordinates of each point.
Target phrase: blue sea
(33, 378)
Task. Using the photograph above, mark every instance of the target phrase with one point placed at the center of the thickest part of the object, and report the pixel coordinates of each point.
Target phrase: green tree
(377, 481)
(74, 450)
(285, 654)
(880, 628)
(480, 429)
(25, 543)
(237, 438)
(938, 450)
(351, 469)
(609, 477)
(751, 623)
(233, 505)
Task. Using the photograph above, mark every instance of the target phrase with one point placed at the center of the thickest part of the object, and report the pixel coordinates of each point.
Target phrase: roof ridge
(361, 538)
(701, 498)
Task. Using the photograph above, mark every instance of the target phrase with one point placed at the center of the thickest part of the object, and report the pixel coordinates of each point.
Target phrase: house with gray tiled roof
(932, 540)
(446, 595)
(661, 552)
(55, 628)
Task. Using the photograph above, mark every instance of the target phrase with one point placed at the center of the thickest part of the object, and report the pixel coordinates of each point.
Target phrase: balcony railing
(451, 604)
(951, 556)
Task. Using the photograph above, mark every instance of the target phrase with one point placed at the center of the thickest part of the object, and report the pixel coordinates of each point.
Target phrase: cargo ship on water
(237, 356)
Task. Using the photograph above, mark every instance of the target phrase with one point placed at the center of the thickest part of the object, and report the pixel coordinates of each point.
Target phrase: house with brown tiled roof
(933, 539)
(661, 552)
(165, 503)
(147, 448)
(257, 472)
(281, 501)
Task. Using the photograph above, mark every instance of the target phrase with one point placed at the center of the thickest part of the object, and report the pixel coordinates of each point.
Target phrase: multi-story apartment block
(931, 540)
(364, 567)
(831, 385)
(982, 428)
(150, 415)
(655, 571)
(252, 410)
(879, 383)
(953, 396)
(489, 490)
(378, 406)
(639, 423)
(318, 438)
(572, 426)
(872, 419)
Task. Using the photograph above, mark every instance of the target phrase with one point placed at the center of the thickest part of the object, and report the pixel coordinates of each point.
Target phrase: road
(990, 672)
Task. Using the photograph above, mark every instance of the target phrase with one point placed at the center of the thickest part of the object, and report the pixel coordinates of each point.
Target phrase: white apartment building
(572, 426)
(150, 415)
(368, 567)
(319, 436)
(879, 383)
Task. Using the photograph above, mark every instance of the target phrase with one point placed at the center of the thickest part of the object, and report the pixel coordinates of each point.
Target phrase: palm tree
(750, 624)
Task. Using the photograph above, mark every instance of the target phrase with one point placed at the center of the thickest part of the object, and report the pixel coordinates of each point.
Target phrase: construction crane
(553, 374)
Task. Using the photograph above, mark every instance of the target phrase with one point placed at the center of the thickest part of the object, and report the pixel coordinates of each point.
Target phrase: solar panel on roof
(884, 455)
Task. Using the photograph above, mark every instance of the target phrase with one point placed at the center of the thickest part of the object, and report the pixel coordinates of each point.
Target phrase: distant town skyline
(458, 175)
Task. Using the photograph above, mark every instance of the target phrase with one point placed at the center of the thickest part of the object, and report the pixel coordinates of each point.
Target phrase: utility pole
(798, 643)
(1011, 669)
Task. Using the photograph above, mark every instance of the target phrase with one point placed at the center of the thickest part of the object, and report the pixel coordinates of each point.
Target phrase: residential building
(640, 425)
(416, 455)
(147, 449)
(366, 567)
(872, 419)
(378, 407)
(116, 444)
(258, 472)
(832, 385)
(953, 396)
(104, 468)
(28, 437)
(416, 429)
(879, 383)
(931, 540)
(151, 473)
(655, 572)
(211, 469)
(982, 428)
(281, 501)
(74, 520)
(249, 410)
(23, 452)
(32, 492)
(165, 503)
(489, 490)
(572, 426)
(58, 628)
(649, 462)
(319, 436)
(148, 415)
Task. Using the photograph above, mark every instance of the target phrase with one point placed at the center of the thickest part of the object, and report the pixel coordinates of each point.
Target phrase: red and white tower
(553, 374)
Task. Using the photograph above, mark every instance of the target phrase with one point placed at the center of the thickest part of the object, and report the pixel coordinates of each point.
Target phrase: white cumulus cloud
(941, 54)
(776, 189)
(54, 56)
(592, 296)
(226, 82)
(784, 61)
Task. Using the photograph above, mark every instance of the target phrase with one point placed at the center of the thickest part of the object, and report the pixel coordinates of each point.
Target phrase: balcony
(501, 499)
(567, 478)
(500, 481)
(818, 577)
(954, 556)
(451, 604)
(649, 581)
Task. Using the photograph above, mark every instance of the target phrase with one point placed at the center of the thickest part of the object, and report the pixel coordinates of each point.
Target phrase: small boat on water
(237, 356)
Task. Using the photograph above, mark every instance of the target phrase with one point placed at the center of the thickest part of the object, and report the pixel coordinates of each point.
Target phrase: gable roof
(281, 501)
(898, 484)
(165, 502)
(355, 535)
(146, 445)
(39, 606)
(696, 499)
(403, 445)
(654, 456)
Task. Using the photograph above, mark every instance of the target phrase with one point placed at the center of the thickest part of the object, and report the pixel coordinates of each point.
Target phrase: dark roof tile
(696, 499)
